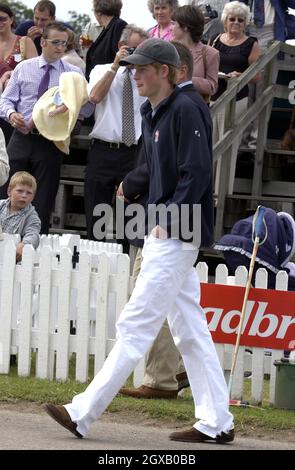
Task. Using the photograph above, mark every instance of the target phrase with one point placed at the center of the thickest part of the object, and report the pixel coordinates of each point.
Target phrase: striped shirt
(25, 222)
(21, 93)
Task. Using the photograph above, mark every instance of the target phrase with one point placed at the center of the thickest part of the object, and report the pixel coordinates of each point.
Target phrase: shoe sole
(218, 441)
(224, 438)
(148, 396)
(53, 416)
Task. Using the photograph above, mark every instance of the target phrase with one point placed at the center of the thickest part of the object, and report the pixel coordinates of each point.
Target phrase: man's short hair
(54, 25)
(132, 29)
(46, 5)
(23, 177)
(185, 56)
(172, 74)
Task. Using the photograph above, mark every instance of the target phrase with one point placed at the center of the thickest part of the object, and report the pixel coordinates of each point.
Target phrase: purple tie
(44, 81)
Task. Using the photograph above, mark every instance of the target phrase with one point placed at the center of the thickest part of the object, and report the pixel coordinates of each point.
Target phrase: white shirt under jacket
(108, 113)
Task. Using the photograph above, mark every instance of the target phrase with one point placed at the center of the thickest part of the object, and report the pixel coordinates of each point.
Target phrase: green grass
(264, 421)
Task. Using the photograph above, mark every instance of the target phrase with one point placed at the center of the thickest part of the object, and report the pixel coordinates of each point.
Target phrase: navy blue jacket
(177, 146)
(276, 247)
(284, 23)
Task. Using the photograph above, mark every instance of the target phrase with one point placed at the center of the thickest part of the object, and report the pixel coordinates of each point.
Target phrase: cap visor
(136, 59)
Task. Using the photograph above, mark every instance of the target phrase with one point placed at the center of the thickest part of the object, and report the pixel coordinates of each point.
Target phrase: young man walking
(179, 171)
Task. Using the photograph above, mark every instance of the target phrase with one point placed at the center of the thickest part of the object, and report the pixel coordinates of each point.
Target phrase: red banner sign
(269, 320)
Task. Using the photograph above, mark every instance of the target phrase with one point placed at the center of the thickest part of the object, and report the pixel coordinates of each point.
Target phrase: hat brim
(136, 59)
(73, 91)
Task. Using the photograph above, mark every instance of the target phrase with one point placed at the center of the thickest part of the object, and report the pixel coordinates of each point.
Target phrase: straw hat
(73, 93)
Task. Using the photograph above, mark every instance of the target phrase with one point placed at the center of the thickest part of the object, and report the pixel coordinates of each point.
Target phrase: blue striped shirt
(21, 93)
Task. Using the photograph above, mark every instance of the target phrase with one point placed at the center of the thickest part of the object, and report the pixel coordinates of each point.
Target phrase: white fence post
(101, 311)
(25, 315)
(83, 318)
(63, 328)
(6, 304)
(45, 356)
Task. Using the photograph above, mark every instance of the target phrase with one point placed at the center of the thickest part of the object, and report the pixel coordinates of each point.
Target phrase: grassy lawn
(266, 421)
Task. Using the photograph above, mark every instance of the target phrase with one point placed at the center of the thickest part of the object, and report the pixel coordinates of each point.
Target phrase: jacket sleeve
(136, 182)
(11, 95)
(205, 77)
(194, 157)
(31, 230)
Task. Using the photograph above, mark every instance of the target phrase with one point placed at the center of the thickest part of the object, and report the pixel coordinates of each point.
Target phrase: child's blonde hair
(23, 177)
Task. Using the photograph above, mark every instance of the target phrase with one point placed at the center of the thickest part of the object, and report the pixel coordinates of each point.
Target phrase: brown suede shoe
(149, 392)
(62, 417)
(182, 380)
(193, 435)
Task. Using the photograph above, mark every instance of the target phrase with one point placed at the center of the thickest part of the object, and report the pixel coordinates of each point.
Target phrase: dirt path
(124, 417)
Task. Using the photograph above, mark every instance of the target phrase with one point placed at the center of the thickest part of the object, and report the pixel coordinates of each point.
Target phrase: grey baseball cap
(153, 50)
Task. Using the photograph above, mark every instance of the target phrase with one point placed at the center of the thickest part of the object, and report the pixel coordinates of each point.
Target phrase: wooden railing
(278, 57)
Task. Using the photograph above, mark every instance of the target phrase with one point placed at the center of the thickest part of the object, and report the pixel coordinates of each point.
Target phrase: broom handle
(248, 285)
(258, 227)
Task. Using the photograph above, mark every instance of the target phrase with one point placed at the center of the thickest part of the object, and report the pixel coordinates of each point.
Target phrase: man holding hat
(28, 149)
(179, 174)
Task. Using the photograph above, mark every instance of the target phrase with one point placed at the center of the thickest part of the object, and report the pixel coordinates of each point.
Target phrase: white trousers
(167, 283)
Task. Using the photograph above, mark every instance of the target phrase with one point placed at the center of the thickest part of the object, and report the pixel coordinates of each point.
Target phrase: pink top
(165, 34)
(206, 66)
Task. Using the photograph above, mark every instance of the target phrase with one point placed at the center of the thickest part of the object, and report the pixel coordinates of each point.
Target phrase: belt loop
(115, 145)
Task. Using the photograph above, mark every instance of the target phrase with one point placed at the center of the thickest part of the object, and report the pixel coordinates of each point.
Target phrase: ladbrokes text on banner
(269, 320)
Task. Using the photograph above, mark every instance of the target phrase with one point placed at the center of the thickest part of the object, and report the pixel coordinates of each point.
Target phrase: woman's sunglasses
(234, 18)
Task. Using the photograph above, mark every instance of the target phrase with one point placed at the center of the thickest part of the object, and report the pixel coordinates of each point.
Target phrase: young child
(17, 215)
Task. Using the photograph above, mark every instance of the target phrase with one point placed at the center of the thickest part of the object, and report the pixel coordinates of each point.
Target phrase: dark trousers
(106, 168)
(7, 130)
(41, 158)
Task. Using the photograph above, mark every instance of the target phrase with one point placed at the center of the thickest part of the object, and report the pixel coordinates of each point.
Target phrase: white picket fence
(261, 361)
(39, 301)
(43, 296)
